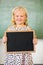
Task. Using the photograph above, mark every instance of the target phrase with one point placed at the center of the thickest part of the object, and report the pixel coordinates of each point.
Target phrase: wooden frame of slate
(19, 41)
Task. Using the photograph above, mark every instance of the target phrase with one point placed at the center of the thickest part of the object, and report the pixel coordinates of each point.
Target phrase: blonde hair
(19, 8)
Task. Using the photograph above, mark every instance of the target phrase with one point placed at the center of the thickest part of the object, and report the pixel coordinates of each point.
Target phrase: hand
(4, 39)
(35, 41)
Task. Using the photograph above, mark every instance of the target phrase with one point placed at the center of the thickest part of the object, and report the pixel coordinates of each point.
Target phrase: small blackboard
(19, 41)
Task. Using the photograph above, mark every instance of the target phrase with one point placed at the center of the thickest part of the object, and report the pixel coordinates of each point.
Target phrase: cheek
(15, 18)
(24, 18)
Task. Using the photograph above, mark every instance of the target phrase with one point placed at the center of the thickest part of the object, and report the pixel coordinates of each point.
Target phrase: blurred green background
(35, 14)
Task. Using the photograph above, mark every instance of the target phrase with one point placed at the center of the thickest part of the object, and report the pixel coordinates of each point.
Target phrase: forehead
(19, 11)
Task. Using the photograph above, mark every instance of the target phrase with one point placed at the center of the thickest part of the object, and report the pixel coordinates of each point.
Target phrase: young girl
(19, 20)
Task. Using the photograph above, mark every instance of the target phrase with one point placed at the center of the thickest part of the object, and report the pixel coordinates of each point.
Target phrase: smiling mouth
(19, 20)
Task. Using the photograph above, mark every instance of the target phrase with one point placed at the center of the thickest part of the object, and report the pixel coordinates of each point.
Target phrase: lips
(19, 20)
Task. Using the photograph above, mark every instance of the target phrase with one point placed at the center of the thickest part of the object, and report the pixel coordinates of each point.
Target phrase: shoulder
(10, 27)
(30, 29)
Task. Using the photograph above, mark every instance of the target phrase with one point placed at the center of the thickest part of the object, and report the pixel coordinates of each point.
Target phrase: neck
(20, 25)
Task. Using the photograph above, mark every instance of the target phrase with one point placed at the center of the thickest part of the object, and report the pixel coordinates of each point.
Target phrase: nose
(19, 16)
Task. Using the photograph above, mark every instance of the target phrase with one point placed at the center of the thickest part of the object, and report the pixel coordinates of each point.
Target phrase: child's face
(19, 17)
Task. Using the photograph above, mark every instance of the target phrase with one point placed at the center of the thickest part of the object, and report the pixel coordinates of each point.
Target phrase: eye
(21, 16)
(16, 15)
